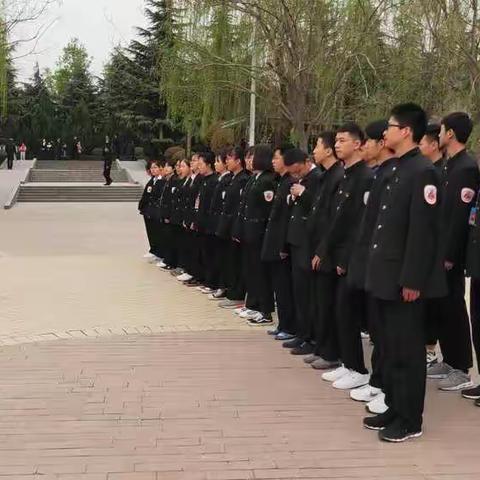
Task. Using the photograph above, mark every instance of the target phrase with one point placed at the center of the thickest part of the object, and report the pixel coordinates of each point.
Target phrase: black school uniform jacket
(297, 234)
(146, 197)
(166, 199)
(153, 210)
(191, 197)
(322, 213)
(231, 204)
(347, 209)
(404, 249)
(357, 267)
(275, 240)
(218, 201)
(459, 189)
(238, 226)
(203, 202)
(258, 204)
(180, 197)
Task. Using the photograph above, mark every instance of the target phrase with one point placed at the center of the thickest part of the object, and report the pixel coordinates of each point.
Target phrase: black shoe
(398, 432)
(304, 349)
(192, 283)
(379, 422)
(471, 393)
(293, 343)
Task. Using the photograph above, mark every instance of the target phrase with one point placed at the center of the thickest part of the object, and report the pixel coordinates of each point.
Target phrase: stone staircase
(76, 181)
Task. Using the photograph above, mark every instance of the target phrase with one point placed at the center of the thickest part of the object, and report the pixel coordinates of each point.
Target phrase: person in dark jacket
(275, 251)
(202, 221)
(235, 280)
(10, 150)
(220, 245)
(404, 269)
(348, 204)
(430, 148)
(325, 278)
(145, 208)
(107, 154)
(258, 204)
(302, 194)
(459, 188)
(374, 151)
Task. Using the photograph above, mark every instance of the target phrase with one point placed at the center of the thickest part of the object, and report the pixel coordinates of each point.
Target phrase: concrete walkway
(111, 370)
(10, 179)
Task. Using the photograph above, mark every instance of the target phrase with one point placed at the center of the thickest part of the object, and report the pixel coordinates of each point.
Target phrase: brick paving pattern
(145, 379)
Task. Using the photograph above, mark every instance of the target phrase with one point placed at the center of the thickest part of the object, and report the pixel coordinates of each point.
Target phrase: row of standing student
(371, 235)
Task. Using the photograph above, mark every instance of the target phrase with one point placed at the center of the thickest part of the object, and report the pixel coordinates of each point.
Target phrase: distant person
(3, 150)
(23, 151)
(107, 161)
(10, 153)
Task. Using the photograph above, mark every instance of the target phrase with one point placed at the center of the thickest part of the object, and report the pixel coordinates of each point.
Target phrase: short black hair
(222, 154)
(199, 148)
(208, 157)
(376, 129)
(262, 157)
(328, 140)
(460, 123)
(283, 147)
(413, 116)
(238, 153)
(433, 132)
(353, 129)
(294, 155)
(249, 151)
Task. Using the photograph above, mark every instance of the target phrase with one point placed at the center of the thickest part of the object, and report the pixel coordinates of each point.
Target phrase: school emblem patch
(430, 194)
(149, 189)
(467, 195)
(268, 195)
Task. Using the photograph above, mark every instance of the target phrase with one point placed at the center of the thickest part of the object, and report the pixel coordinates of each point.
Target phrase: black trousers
(324, 295)
(454, 324)
(402, 328)
(235, 279)
(433, 308)
(151, 234)
(169, 245)
(220, 260)
(107, 175)
(281, 274)
(251, 296)
(350, 316)
(475, 315)
(10, 163)
(258, 279)
(207, 260)
(158, 232)
(378, 351)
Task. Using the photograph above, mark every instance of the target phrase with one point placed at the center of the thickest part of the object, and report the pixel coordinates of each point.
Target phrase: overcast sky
(99, 24)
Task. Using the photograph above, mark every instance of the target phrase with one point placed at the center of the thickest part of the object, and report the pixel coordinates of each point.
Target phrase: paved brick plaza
(221, 401)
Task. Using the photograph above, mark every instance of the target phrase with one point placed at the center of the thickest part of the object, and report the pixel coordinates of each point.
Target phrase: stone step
(74, 176)
(71, 165)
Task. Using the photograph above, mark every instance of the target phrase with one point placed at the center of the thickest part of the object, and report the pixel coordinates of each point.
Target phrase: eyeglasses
(395, 125)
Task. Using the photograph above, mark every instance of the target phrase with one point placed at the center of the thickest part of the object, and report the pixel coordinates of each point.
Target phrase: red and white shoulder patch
(268, 195)
(467, 195)
(430, 194)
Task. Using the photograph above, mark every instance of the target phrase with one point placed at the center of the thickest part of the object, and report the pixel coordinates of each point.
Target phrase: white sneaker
(218, 294)
(161, 264)
(364, 394)
(200, 288)
(240, 310)
(248, 314)
(377, 405)
(334, 375)
(149, 255)
(207, 290)
(184, 277)
(351, 380)
(255, 318)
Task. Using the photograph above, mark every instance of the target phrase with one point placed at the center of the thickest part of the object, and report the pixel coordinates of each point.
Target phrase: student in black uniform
(275, 251)
(235, 281)
(302, 193)
(404, 269)
(473, 271)
(430, 148)
(220, 245)
(348, 203)
(258, 203)
(326, 354)
(459, 188)
(374, 152)
(166, 210)
(193, 273)
(145, 207)
(107, 161)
